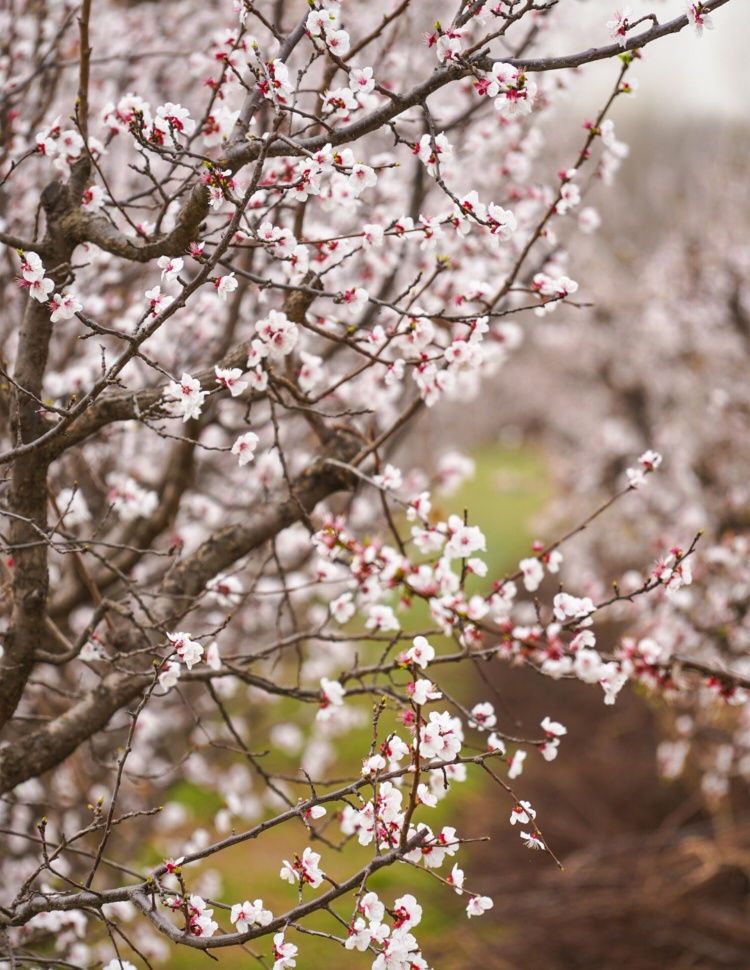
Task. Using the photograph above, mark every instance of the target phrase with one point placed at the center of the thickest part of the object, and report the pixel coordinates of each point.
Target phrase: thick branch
(88, 227)
(43, 249)
(28, 482)
(47, 747)
(133, 405)
(317, 903)
(44, 749)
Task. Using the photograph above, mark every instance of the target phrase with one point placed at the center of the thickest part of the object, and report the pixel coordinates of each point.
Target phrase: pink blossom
(372, 235)
(311, 372)
(333, 694)
(362, 80)
(589, 220)
(213, 657)
(63, 307)
(359, 936)
(158, 301)
(372, 908)
(523, 813)
(284, 953)
(448, 46)
(407, 912)
(306, 870)
(533, 573)
(310, 872)
(502, 223)
(483, 716)
(587, 666)
(478, 906)
(495, 743)
(373, 765)
(46, 139)
(549, 750)
(278, 333)
(390, 479)
(244, 447)
(362, 177)
(382, 618)
(516, 764)
(338, 42)
(698, 19)
(31, 267)
(423, 691)
(170, 267)
(420, 653)
(129, 499)
(532, 841)
(567, 607)
(171, 120)
(247, 914)
(93, 199)
(169, 675)
(189, 652)
(430, 149)
(218, 125)
(456, 879)
(439, 738)
(184, 398)
(318, 21)
(342, 608)
(355, 299)
(618, 28)
(225, 285)
(230, 379)
(200, 922)
(39, 289)
(226, 589)
(464, 539)
(553, 727)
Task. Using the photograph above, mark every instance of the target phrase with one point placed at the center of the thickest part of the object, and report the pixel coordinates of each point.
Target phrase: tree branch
(538, 65)
(56, 740)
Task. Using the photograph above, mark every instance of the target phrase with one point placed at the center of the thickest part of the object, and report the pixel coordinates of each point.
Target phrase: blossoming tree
(681, 387)
(239, 261)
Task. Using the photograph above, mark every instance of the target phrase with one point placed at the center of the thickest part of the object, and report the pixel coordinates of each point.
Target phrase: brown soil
(651, 880)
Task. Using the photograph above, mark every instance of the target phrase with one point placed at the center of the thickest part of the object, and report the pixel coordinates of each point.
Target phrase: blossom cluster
(39, 286)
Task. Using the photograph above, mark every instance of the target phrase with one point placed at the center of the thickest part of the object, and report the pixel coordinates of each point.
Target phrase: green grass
(509, 488)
